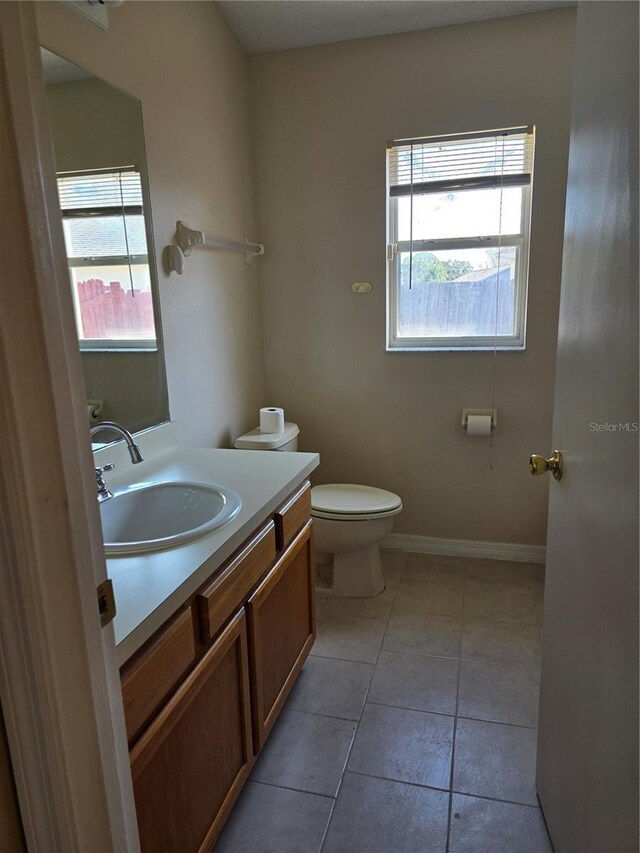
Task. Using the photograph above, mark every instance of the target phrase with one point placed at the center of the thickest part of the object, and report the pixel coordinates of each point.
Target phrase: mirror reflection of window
(104, 229)
(97, 133)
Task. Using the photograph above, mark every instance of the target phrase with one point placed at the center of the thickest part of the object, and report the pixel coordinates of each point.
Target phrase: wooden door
(587, 774)
(191, 763)
(11, 831)
(282, 630)
(68, 748)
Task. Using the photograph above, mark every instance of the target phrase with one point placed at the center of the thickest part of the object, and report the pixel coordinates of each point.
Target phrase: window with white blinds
(458, 239)
(116, 190)
(106, 240)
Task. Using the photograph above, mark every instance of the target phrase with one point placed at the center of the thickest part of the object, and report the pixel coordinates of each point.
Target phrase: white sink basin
(150, 516)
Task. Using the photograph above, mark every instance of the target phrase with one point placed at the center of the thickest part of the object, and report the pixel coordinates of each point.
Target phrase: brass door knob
(540, 464)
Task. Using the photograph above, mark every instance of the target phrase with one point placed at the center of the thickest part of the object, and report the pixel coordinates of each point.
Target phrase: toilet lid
(349, 499)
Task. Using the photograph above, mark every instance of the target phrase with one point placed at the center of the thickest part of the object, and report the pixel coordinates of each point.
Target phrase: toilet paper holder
(493, 414)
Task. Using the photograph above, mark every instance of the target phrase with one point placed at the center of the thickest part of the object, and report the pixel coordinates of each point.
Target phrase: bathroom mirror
(103, 189)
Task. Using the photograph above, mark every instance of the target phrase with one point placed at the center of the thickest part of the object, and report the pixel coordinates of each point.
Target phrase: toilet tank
(256, 440)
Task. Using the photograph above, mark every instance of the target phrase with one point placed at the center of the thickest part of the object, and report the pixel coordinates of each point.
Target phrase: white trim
(443, 244)
(465, 548)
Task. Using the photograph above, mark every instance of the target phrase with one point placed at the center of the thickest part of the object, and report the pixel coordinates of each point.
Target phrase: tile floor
(412, 727)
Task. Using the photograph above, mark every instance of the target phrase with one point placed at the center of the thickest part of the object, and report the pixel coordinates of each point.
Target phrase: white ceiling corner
(266, 25)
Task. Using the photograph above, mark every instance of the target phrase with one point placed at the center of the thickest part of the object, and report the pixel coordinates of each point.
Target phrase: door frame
(59, 679)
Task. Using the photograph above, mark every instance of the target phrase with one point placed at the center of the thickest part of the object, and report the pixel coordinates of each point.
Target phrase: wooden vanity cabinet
(202, 695)
(152, 675)
(192, 761)
(234, 582)
(282, 629)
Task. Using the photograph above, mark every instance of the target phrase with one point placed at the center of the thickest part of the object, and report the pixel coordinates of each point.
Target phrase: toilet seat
(350, 502)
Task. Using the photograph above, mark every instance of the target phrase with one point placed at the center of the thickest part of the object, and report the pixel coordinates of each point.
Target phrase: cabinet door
(282, 630)
(190, 764)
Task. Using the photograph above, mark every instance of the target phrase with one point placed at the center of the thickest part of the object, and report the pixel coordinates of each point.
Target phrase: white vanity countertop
(150, 587)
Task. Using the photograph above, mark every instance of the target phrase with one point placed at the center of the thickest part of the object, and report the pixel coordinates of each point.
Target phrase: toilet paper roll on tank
(273, 433)
(272, 420)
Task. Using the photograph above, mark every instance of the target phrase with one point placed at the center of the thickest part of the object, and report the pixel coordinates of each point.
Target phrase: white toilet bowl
(348, 522)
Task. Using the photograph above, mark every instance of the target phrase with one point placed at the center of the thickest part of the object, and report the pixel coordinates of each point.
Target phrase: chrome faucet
(134, 452)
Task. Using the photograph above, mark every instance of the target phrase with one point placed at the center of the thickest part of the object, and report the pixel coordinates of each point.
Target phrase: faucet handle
(108, 467)
(103, 490)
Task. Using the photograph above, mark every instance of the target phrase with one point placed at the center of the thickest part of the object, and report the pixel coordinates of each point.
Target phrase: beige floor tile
(306, 752)
(423, 634)
(483, 826)
(375, 607)
(267, 819)
(498, 693)
(497, 761)
(321, 601)
(499, 602)
(440, 596)
(381, 816)
(530, 575)
(415, 681)
(408, 746)
(503, 571)
(348, 637)
(538, 597)
(405, 647)
(336, 688)
(509, 644)
(436, 566)
(393, 565)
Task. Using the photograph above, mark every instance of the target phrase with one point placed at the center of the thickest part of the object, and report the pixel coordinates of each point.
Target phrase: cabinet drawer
(282, 629)
(293, 515)
(149, 678)
(236, 580)
(191, 763)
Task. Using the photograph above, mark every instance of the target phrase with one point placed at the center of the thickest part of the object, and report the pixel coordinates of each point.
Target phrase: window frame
(457, 343)
(79, 262)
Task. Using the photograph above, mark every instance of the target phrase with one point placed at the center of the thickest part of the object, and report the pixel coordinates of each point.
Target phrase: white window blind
(440, 164)
(103, 213)
(113, 190)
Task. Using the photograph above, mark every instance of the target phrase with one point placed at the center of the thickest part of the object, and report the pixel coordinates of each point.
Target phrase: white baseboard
(465, 548)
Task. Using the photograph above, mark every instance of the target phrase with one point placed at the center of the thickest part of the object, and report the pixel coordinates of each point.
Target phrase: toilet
(349, 521)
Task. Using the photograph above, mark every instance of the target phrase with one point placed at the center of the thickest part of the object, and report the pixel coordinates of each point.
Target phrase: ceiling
(265, 25)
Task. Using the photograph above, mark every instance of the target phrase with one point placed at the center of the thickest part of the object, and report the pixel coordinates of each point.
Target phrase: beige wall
(321, 118)
(96, 126)
(183, 63)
